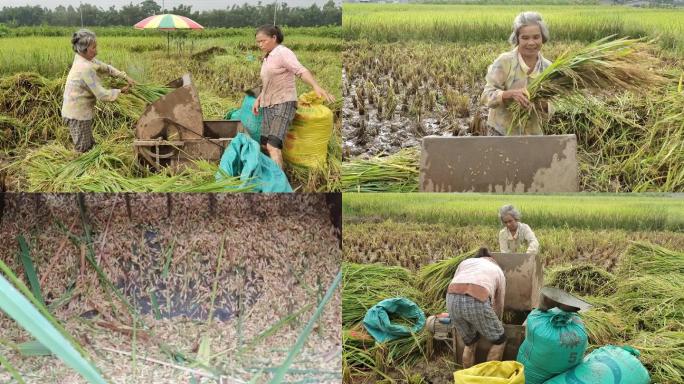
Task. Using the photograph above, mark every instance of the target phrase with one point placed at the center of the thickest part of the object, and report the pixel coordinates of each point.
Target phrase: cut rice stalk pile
(110, 167)
(356, 355)
(605, 65)
(393, 173)
(35, 104)
(433, 280)
(656, 300)
(585, 279)
(662, 352)
(379, 357)
(603, 322)
(10, 129)
(653, 259)
(406, 350)
(365, 285)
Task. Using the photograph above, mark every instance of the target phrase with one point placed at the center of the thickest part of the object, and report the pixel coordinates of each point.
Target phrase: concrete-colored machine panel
(182, 106)
(172, 133)
(499, 164)
(524, 279)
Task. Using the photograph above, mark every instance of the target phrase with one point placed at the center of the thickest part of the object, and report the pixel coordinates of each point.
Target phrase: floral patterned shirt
(509, 71)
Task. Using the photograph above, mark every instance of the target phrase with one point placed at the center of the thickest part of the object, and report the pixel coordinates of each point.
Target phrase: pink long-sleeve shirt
(278, 72)
(481, 278)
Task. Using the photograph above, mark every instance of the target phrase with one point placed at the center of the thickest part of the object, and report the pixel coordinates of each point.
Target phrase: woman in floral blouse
(508, 76)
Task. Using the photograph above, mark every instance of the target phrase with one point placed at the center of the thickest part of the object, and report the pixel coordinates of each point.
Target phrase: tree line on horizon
(244, 15)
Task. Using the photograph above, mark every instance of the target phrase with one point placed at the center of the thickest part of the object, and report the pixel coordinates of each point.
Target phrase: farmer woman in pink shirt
(475, 300)
(278, 96)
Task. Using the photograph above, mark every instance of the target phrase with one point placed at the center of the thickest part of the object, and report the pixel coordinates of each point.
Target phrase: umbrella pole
(168, 42)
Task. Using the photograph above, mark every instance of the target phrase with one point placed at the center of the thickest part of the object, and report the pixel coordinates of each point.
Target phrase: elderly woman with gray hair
(83, 87)
(508, 76)
(515, 234)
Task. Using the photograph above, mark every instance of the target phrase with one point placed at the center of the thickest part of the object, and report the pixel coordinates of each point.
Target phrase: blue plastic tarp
(243, 158)
(378, 324)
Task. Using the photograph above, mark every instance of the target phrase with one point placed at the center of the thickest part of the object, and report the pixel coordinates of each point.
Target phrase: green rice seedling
(622, 64)
(29, 268)
(273, 329)
(41, 325)
(365, 285)
(585, 279)
(393, 173)
(662, 352)
(433, 280)
(647, 258)
(280, 373)
(33, 348)
(11, 370)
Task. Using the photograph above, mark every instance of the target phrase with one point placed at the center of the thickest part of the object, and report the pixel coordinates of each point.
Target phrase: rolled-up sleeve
(492, 96)
(101, 93)
(291, 63)
(533, 247)
(110, 70)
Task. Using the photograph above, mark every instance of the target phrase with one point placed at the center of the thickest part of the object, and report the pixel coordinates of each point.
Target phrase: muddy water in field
(370, 133)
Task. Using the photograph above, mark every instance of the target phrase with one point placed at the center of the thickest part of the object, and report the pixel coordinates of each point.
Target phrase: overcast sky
(196, 4)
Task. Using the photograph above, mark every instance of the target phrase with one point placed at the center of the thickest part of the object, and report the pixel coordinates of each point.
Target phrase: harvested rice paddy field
(177, 288)
(35, 146)
(417, 70)
(624, 254)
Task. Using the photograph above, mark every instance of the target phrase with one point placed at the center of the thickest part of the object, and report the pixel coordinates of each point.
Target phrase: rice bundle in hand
(605, 65)
(149, 92)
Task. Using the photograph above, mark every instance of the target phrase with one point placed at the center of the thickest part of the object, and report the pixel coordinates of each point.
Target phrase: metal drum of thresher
(173, 133)
(524, 280)
(499, 164)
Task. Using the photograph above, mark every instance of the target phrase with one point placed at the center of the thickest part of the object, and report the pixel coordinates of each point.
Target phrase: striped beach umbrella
(167, 22)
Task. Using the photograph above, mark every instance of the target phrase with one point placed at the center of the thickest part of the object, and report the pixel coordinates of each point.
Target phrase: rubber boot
(276, 155)
(469, 355)
(496, 352)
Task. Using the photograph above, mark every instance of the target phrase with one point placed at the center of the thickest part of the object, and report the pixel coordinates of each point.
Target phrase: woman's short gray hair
(509, 210)
(82, 39)
(528, 18)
